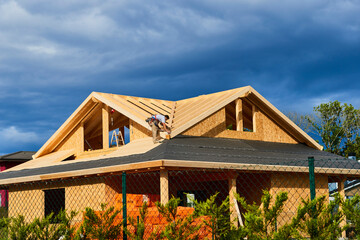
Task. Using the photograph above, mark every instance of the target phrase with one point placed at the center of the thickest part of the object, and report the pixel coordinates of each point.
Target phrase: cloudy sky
(53, 54)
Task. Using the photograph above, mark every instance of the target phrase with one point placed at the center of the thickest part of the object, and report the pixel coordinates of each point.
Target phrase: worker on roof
(158, 123)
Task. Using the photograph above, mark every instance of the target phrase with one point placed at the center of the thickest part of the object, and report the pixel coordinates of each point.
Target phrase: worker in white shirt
(158, 123)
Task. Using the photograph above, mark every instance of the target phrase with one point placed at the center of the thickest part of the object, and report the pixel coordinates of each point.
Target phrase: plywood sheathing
(215, 126)
(72, 122)
(137, 131)
(47, 160)
(73, 141)
(297, 187)
(191, 111)
(29, 200)
(137, 109)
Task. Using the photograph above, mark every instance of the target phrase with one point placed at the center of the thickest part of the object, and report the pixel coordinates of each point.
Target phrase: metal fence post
(312, 177)
(124, 204)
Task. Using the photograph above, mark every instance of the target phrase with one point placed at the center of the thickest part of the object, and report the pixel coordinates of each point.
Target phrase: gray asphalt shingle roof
(209, 150)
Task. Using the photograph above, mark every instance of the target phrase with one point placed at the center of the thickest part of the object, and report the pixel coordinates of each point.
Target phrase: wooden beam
(341, 191)
(172, 114)
(239, 115)
(105, 126)
(82, 138)
(164, 186)
(222, 103)
(232, 191)
(254, 110)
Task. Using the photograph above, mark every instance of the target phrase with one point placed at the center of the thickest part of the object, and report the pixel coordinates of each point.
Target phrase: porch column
(341, 191)
(239, 115)
(164, 186)
(232, 191)
(105, 126)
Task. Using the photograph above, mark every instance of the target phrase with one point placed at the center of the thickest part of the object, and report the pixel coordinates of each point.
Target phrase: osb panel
(353, 191)
(29, 203)
(79, 197)
(298, 187)
(29, 200)
(72, 141)
(137, 131)
(211, 126)
(266, 129)
(95, 153)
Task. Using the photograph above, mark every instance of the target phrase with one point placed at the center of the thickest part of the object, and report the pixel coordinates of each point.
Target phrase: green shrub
(101, 226)
(177, 228)
(219, 216)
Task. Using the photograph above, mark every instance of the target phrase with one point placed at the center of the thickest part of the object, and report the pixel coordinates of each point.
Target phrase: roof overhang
(179, 165)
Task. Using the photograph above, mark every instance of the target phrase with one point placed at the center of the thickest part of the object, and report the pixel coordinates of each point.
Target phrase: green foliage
(101, 225)
(177, 228)
(219, 221)
(3, 212)
(351, 209)
(139, 225)
(319, 220)
(44, 229)
(260, 221)
(337, 125)
(18, 229)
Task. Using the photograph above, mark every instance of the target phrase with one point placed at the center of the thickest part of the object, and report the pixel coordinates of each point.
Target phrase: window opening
(246, 116)
(54, 202)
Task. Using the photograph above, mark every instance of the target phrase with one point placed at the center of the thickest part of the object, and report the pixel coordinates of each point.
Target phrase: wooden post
(232, 191)
(254, 117)
(105, 126)
(239, 115)
(164, 186)
(82, 138)
(341, 191)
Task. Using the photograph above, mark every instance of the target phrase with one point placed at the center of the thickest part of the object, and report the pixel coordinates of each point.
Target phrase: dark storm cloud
(54, 54)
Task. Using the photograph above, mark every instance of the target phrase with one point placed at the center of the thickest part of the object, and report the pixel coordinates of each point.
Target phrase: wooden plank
(127, 111)
(164, 186)
(200, 106)
(239, 115)
(232, 191)
(105, 126)
(208, 112)
(254, 110)
(172, 115)
(82, 137)
(143, 107)
(341, 191)
(156, 106)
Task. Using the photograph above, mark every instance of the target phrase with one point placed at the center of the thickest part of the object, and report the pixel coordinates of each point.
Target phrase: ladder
(117, 138)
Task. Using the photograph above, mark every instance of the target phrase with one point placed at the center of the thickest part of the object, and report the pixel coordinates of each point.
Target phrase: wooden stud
(239, 115)
(82, 138)
(341, 191)
(232, 191)
(105, 126)
(164, 186)
(254, 117)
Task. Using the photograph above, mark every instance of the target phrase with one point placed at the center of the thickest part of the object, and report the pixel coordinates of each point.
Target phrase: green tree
(260, 222)
(337, 125)
(319, 220)
(219, 221)
(351, 209)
